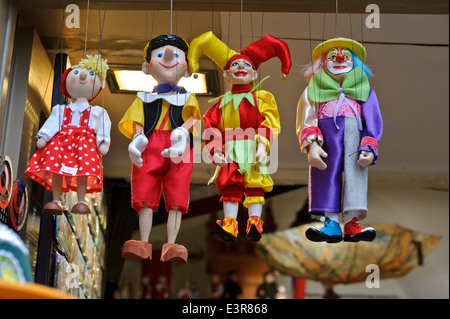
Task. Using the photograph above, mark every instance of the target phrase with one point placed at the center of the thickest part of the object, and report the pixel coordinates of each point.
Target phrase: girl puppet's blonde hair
(95, 64)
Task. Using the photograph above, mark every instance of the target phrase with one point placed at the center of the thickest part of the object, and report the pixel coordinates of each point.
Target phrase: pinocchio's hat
(256, 53)
(356, 47)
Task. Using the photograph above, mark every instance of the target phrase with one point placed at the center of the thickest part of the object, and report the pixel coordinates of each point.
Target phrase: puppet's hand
(219, 159)
(315, 154)
(260, 154)
(136, 147)
(40, 143)
(178, 139)
(365, 158)
(103, 149)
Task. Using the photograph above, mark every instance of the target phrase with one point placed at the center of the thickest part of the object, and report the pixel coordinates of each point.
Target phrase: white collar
(173, 99)
(79, 106)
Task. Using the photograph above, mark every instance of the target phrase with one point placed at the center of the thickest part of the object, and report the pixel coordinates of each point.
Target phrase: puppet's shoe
(80, 208)
(133, 249)
(53, 208)
(330, 232)
(227, 230)
(254, 228)
(354, 232)
(174, 253)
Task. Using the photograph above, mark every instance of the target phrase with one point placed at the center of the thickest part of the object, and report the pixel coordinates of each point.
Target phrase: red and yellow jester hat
(256, 53)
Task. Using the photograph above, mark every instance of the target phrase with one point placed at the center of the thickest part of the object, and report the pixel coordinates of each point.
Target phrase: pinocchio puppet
(240, 128)
(74, 138)
(159, 125)
(339, 126)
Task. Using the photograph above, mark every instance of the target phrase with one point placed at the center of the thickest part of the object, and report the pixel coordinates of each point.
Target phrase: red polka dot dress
(72, 153)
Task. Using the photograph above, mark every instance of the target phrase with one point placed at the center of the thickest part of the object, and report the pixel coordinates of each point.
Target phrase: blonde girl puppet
(74, 138)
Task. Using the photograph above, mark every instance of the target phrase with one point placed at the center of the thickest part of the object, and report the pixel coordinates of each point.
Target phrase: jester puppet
(339, 126)
(74, 138)
(240, 128)
(159, 125)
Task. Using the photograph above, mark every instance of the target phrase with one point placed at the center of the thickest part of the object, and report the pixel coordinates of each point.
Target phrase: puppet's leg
(355, 187)
(325, 187)
(141, 249)
(230, 183)
(172, 252)
(254, 201)
(54, 207)
(81, 207)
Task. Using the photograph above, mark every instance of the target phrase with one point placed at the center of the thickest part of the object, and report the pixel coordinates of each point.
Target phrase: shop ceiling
(353, 6)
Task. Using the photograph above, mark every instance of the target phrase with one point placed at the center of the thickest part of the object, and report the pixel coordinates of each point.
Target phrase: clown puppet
(240, 128)
(74, 138)
(339, 126)
(159, 125)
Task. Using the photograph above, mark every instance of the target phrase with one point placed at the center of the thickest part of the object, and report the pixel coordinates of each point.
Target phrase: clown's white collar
(173, 99)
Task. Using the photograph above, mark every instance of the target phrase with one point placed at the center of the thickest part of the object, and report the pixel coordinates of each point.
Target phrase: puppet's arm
(103, 130)
(179, 136)
(372, 131)
(132, 126)
(50, 127)
(212, 135)
(270, 127)
(309, 135)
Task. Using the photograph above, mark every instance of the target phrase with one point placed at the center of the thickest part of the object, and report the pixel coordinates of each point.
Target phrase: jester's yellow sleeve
(270, 127)
(135, 113)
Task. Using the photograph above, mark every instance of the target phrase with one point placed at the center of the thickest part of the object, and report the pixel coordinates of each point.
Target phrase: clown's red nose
(340, 58)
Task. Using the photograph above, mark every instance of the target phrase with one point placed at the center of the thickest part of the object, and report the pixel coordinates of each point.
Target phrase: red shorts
(158, 172)
(230, 183)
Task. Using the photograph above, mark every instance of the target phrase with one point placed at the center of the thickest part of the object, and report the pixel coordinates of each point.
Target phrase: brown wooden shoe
(80, 209)
(174, 253)
(134, 249)
(53, 208)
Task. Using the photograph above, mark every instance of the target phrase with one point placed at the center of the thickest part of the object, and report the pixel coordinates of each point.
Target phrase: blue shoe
(330, 232)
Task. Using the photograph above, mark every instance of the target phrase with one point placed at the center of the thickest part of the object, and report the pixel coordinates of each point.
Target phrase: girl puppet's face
(338, 62)
(83, 83)
(240, 72)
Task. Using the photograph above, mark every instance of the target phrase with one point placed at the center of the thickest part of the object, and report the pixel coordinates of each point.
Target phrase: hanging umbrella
(396, 251)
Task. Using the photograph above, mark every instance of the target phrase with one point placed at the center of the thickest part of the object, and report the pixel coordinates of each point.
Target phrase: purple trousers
(343, 185)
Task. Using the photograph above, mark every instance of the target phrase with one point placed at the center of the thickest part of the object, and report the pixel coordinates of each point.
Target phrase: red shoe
(254, 228)
(354, 232)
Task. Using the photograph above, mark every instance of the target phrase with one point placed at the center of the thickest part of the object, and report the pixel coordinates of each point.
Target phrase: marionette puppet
(159, 125)
(240, 128)
(339, 126)
(74, 138)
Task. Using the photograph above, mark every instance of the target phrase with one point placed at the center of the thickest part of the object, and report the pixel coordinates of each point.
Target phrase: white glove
(178, 139)
(136, 147)
(40, 143)
(315, 154)
(103, 149)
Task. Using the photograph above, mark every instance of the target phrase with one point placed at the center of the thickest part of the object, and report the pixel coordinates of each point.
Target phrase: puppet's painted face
(167, 65)
(240, 72)
(338, 61)
(83, 83)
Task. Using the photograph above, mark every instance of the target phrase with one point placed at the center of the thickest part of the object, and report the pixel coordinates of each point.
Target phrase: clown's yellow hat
(356, 47)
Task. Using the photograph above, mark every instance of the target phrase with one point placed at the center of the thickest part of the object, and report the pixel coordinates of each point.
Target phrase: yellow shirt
(135, 114)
